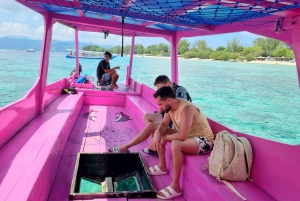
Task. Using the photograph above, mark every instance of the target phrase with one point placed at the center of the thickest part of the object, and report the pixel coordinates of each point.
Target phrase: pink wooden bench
(30, 159)
(196, 181)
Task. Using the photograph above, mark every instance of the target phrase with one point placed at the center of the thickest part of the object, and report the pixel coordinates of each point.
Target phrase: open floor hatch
(111, 175)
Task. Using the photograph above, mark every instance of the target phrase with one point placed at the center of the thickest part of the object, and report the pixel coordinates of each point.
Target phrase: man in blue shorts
(153, 120)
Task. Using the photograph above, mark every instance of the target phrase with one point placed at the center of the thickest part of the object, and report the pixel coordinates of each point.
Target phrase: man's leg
(189, 146)
(116, 80)
(113, 78)
(152, 118)
(161, 153)
(142, 136)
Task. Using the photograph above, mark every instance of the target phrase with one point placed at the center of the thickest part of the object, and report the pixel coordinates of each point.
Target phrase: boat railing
(26, 108)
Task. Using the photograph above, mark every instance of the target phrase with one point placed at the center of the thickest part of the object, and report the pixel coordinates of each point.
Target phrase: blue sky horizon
(17, 20)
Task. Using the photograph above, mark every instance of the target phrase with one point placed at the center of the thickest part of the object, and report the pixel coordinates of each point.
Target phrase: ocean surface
(258, 99)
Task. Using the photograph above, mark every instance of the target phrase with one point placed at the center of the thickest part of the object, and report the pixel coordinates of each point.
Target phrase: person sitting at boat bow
(192, 135)
(105, 73)
(73, 72)
(151, 120)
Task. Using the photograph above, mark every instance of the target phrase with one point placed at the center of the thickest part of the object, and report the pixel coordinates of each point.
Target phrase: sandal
(116, 150)
(169, 193)
(149, 151)
(156, 171)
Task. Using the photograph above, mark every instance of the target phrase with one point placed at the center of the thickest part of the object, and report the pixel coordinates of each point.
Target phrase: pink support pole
(131, 59)
(77, 51)
(48, 23)
(174, 58)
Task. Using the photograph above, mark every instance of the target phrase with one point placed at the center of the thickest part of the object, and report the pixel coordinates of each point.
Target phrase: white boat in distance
(87, 54)
(30, 50)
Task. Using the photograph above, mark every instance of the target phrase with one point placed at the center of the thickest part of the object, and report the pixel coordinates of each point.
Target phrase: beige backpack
(231, 159)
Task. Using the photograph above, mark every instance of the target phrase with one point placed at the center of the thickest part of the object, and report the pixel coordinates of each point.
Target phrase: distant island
(262, 49)
(24, 43)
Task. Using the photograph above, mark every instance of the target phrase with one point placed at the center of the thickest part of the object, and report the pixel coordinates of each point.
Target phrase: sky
(18, 20)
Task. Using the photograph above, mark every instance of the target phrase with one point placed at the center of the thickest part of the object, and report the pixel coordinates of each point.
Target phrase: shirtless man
(192, 135)
(104, 71)
(152, 121)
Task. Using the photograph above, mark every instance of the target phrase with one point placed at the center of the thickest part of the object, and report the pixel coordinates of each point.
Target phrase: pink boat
(42, 133)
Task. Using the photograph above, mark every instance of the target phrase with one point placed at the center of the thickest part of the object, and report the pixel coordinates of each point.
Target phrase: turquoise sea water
(258, 99)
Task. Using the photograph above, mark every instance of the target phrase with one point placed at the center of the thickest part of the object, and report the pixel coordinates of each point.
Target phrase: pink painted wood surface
(77, 137)
(138, 87)
(147, 93)
(174, 58)
(44, 62)
(266, 171)
(132, 83)
(131, 59)
(108, 100)
(112, 133)
(21, 111)
(32, 156)
(63, 180)
(86, 22)
(159, 182)
(53, 90)
(137, 107)
(77, 52)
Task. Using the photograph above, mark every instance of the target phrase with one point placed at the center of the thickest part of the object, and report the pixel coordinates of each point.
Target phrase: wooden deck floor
(97, 136)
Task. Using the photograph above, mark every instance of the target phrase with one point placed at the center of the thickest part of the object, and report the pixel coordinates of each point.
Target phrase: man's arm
(158, 134)
(160, 111)
(112, 69)
(163, 126)
(186, 123)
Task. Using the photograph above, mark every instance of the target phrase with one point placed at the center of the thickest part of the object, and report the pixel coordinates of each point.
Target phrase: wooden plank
(37, 177)
(62, 184)
(8, 178)
(123, 131)
(9, 150)
(92, 142)
(134, 130)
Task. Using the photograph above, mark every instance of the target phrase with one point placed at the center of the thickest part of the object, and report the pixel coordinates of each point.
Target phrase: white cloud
(12, 6)
(36, 17)
(20, 17)
(63, 33)
(14, 29)
(39, 32)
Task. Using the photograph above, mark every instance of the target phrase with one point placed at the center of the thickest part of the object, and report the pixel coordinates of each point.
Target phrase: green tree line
(157, 49)
(234, 50)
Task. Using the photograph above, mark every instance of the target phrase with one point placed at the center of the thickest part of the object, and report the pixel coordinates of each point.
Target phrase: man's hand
(156, 140)
(117, 67)
(163, 143)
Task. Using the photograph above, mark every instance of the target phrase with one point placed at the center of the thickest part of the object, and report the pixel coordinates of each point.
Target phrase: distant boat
(87, 54)
(30, 50)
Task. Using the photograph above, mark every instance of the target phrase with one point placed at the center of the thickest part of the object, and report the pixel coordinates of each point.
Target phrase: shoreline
(250, 62)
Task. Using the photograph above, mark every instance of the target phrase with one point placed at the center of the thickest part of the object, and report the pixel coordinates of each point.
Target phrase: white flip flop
(157, 171)
(169, 195)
